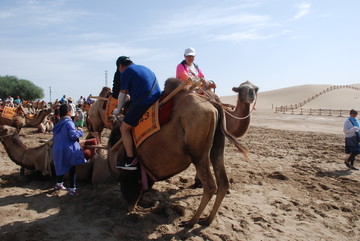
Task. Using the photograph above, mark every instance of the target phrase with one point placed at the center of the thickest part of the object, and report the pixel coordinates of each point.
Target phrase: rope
(245, 117)
(226, 111)
(48, 159)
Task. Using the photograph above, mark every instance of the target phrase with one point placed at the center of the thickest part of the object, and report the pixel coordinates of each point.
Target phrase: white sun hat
(189, 52)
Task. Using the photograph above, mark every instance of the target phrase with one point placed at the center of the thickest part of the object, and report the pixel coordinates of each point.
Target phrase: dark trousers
(72, 178)
(351, 158)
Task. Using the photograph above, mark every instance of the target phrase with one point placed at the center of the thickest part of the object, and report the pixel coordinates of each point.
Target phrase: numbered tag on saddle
(8, 112)
(147, 125)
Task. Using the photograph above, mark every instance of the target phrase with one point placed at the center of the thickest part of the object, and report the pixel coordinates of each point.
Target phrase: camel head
(171, 84)
(105, 92)
(48, 111)
(247, 92)
(7, 130)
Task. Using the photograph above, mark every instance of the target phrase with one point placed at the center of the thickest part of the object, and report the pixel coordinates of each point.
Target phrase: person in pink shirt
(187, 68)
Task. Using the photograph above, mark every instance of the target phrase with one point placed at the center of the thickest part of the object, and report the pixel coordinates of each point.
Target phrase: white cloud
(204, 20)
(303, 9)
(249, 35)
(42, 13)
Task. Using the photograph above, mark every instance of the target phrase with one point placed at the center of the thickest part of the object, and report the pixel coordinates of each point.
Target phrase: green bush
(12, 85)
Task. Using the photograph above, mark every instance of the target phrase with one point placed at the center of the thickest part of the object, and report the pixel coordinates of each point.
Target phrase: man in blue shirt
(141, 85)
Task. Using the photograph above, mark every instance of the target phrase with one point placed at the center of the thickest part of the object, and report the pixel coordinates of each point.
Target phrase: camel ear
(235, 89)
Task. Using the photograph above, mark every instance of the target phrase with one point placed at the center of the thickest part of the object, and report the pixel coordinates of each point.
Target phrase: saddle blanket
(111, 104)
(147, 125)
(8, 112)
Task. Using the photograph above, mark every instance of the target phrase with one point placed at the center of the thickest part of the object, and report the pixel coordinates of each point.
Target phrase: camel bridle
(245, 117)
(227, 111)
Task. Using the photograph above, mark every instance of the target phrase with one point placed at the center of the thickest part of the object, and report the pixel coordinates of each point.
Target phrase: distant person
(89, 100)
(17, 101)
(73, 108)
(187, 68)
(66, 150)
(63, 99)
(80, 102)
(141, 85)
(9, 101)
(351, 131)
(79, 117)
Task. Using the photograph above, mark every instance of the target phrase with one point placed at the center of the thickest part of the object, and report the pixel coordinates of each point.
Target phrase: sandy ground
(296, 187)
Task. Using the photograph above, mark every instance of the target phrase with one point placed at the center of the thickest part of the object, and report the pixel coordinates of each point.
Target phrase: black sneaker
(127, 165)
(347, 164)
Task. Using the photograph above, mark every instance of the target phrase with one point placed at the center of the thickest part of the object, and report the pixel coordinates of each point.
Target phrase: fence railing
(298, 107)
(310, 111)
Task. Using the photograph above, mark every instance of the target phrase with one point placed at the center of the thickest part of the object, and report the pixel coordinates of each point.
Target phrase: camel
(46, 125)
(96, 113)
(39, 158)
(38, 118)
(195, 134)
(237, 117)
(20, 121)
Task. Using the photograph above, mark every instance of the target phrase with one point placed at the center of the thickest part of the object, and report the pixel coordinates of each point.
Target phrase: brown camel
(18, 122)
(22, 120)
(96, 113)
(195, 134)
(39, 158)
(238, 118)
(38, 118)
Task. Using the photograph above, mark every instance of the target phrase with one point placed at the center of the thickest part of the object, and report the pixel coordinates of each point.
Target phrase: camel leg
(223, 187)
(208, 182)
(197, 182)
(217, 160)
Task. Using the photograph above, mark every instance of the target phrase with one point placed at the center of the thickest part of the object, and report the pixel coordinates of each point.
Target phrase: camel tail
(230, 137)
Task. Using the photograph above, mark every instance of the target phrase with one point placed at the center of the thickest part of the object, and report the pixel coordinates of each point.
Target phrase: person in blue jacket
(66, 150)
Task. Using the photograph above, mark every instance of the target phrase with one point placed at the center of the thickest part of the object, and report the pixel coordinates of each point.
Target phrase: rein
(242, 118)
(226, 111)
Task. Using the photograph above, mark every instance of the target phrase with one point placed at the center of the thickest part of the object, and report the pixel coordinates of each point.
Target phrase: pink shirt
(184, 73)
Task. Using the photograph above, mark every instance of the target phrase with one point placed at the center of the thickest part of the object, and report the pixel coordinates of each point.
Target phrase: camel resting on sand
(195, 134)
(22, 120)
(39, 158)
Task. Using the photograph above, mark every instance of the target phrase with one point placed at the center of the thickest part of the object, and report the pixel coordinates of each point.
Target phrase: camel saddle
(9, 112)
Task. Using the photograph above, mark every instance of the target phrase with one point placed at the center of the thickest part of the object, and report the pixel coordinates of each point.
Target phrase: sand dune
(343, 98)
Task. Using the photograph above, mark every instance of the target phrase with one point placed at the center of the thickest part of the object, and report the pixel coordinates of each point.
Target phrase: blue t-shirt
(138, 80)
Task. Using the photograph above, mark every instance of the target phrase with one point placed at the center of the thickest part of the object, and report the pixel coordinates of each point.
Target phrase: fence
(303, 111)
(297, 108)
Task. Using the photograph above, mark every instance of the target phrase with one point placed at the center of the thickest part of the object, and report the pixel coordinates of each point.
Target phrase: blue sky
(69, 44)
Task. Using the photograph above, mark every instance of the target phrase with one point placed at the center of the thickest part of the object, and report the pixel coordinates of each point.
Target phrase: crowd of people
(138, 84)
(131, 81)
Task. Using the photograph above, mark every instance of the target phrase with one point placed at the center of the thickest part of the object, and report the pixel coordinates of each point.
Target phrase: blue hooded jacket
(66, 150)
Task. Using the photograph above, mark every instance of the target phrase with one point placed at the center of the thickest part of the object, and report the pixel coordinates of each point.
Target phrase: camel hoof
(197, 184)
(205, 222)
(185, 224)
(22, 171)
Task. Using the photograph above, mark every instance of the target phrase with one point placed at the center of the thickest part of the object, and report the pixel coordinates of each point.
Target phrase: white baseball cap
(189, 52)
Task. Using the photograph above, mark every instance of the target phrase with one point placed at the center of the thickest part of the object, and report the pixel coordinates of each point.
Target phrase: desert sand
(296, 187)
